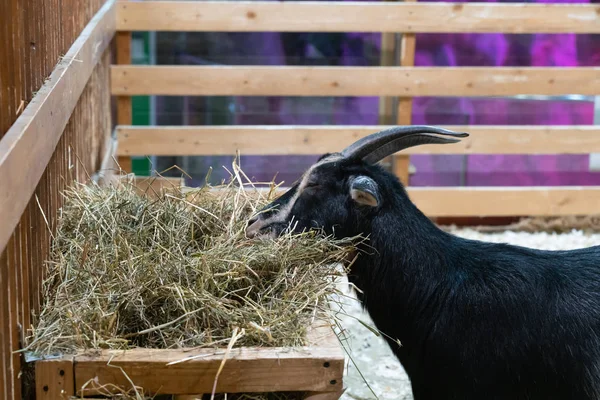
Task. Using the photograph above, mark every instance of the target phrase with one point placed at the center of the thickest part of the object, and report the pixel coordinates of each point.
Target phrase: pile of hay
(174, 269)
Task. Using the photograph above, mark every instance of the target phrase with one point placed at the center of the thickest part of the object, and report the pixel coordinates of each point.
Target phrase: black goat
(475, 320)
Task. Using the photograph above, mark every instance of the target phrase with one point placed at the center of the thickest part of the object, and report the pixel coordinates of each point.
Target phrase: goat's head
(343, 189)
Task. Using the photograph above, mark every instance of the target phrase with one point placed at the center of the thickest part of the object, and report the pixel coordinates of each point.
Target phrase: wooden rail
(30, 142)
(506, 201)
(311, 140)
(331, 16)
(352, 81)
(499, 201)
(316, 368)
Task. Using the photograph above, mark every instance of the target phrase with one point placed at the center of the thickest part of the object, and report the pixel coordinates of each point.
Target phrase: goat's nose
(251, 228)
(251, 221)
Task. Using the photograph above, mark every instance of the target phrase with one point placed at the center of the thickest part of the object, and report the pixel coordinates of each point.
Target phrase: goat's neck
(403, 276)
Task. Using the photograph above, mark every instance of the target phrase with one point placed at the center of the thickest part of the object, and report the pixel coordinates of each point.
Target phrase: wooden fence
(404, 81)
(59, 56)
(54, 126)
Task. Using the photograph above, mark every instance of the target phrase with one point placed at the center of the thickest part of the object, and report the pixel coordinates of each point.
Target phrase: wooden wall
(33, 37)
(403, 81)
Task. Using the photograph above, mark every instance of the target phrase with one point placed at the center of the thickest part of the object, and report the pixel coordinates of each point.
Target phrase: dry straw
(174, 269)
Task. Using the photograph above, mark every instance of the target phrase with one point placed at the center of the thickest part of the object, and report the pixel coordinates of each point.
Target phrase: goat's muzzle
(253, 227)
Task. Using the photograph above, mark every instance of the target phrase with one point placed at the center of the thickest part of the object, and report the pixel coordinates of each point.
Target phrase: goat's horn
(377, 146)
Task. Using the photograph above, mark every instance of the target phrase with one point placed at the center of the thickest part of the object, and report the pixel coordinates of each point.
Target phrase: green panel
(140, 50)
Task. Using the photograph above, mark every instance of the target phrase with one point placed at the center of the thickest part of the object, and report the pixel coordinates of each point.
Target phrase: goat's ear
(364, 191)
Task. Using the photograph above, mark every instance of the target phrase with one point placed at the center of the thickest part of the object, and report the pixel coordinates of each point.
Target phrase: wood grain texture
(245, 371)
(38, 34)
(79, 150)
(502, 201)
(387, 58)
(317, 367)
(401, 163)
(506, 201)
(152, 186)
(312, 16)
(318, 139)
(352, 81)
(124, 109)
(6, 368)
(30, 142)
(14, 297)
(54, 379)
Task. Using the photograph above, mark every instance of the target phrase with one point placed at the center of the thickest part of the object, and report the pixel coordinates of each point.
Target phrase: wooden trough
(316, 370)
(66, 132)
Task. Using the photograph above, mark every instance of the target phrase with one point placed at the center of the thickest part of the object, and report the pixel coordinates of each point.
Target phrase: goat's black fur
(475, 320)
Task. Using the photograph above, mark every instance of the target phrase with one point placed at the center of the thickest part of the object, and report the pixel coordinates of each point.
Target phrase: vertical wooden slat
(15, 297)
(124, 112)
(407, 59)
(24, 274)
(386, 104)
(4, 361)
(17, 40)
(7, 321)
(36, 251)
(23, 47)
(4, 88)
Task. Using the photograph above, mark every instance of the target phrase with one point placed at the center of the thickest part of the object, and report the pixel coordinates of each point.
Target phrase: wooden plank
(25, 282)
(317, 367)
(6, 380)
(502, 201)
(325, 370)
(54, 379)
(351, 81)
(387, 58)
(14, 299)
(246, 370)
(360, 16)
(506, 201)
(407, 59)
(152, 186)
(28, 145)
(317, 139)
(124, 110)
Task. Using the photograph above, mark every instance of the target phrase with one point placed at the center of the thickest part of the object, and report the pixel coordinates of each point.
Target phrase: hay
(174, 269)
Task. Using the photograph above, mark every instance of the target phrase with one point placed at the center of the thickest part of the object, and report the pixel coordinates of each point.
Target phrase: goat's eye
(312, 184)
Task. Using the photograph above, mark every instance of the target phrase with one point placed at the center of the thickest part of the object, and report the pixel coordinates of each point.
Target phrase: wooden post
(407, 59)
(386, 104)
(54, 379)
(124, 111)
